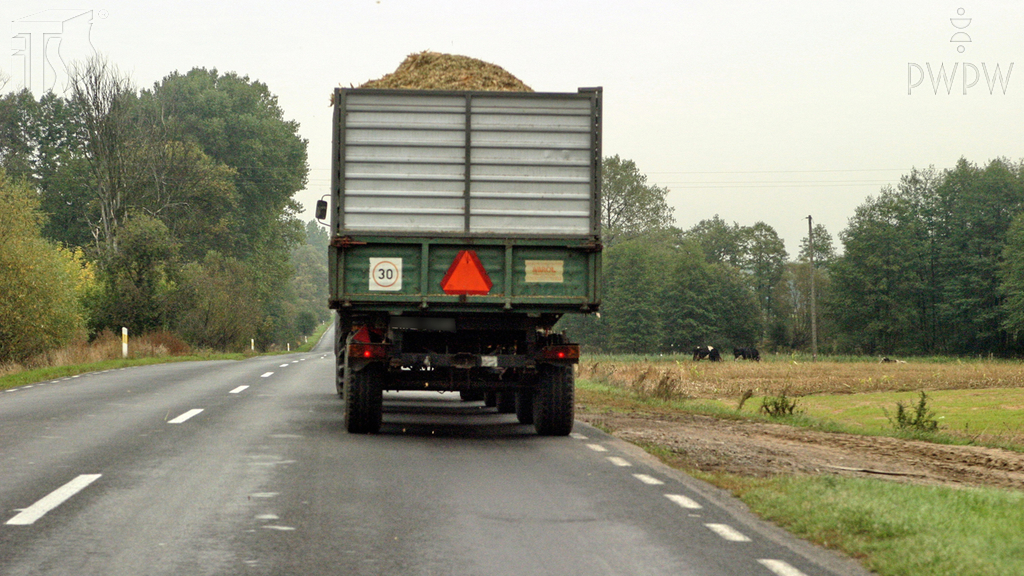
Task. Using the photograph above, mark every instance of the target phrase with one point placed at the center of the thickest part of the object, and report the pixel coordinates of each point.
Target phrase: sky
(752, 111)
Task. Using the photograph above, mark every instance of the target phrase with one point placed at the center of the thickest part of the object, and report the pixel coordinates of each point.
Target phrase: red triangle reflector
(466, 275)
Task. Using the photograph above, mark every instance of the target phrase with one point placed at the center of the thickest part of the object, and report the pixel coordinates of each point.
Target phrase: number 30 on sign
(385, 274)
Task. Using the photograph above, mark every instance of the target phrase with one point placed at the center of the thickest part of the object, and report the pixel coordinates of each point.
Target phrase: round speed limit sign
(385, 274)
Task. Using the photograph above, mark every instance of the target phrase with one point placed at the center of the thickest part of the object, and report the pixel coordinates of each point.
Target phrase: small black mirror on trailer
(321, 209)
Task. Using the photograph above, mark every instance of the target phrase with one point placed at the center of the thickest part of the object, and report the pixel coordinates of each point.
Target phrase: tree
(39, 305)
(238, 122)
(720, 242)
(104, 98)
(212, 303)
(824, 251)
(630, 207)
(636, 275)
(138, 278)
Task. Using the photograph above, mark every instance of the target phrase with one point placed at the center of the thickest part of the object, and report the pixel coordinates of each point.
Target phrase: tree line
(167, 208)
(171, 208)
(933, 265)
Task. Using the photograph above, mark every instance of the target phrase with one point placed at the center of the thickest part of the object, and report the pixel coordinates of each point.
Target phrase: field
(977, 401)
(836, 471)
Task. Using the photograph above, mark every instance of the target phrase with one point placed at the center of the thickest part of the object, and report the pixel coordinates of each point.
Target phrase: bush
(918, 418)
(39, 305)
(778, 406)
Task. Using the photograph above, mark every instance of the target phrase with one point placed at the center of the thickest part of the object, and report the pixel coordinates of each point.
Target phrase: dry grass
(730, 380)
(106, 346)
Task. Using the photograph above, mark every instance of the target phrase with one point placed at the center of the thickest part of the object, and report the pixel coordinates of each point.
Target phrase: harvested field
(759, 449)
(730, 379)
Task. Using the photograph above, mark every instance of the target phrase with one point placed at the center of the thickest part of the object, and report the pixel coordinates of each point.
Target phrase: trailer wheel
(524, 406)
(339, 377)
(554, 408)
(490, 399)
(506, 402)
(364, 400)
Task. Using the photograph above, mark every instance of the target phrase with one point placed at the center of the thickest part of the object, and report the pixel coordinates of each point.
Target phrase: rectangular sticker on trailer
(544, 271)
(385, 274)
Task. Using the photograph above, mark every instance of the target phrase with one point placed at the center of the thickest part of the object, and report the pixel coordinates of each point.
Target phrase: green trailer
(464, 225)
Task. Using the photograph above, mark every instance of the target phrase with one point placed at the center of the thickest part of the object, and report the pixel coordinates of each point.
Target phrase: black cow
(709, 352)
(750, 353)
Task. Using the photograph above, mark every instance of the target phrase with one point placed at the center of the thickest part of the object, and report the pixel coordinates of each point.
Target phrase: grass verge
(55, 372)
(894, 529)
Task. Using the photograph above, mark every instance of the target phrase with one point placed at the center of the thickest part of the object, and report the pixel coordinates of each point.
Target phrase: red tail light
(560, 352)
(368, 351)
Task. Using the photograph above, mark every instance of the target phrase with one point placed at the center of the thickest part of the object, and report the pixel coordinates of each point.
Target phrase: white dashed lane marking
(727, 532)
(52, 500)
(237, 390)
(620, 462)
(649, 480)
(185, 416)
(683, 501)
(597, 448)
(781, 568)
(577, 436)
(265, 374)
(284, 365)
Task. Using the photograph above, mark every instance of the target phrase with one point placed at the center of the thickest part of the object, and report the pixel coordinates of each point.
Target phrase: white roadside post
(252, 344)
(124, 342)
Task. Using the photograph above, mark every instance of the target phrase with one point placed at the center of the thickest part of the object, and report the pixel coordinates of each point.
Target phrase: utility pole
(814, 315)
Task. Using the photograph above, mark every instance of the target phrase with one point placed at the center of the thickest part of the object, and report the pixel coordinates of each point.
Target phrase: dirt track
(754, 448)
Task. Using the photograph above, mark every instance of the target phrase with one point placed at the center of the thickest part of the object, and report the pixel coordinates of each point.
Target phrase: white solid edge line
(597, 448)
(649, 480)
(237, 390)
(265, 374)
(52, 500)
(727, 532)
(779, 567)
(683, 501)
(621, 462)
(185, 416)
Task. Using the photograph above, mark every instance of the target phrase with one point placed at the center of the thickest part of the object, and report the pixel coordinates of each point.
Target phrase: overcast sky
(755, 111)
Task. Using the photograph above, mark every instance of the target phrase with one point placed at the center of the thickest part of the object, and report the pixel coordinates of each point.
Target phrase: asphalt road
(244, 468)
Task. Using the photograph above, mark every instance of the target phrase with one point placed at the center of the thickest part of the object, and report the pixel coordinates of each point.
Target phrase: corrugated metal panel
(526, 165)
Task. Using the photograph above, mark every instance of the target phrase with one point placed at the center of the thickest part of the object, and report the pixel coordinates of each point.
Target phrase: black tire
(506, 402)
(339, 376)
(490, 399)
(524, 406)
(364, 400)
(554, 408)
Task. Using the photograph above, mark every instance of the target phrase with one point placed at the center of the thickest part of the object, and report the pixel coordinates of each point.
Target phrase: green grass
(991, 416)
(52, 373)
(896, 529)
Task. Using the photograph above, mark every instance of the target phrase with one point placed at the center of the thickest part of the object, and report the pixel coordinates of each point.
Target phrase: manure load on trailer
(464, 225)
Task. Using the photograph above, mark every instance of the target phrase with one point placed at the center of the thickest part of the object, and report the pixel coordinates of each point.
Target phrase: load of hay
(435, 71)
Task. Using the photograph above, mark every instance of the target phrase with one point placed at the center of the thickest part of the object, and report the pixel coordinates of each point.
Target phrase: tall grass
(106, 346)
